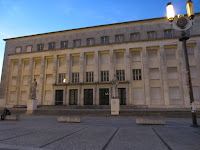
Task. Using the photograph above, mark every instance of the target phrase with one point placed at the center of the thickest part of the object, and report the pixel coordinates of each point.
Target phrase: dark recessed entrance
(88, 96)
(122, 96)
(73, 96)
(104, 96)
(59, 97)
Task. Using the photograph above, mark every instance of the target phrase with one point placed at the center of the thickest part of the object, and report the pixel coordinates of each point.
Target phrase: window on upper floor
(104, 76)
(104, 39)
(119, 38)
(40, 47)
(61, 78)
(18, 49)
(90, 41)
(89, 76)
(135, 36)
(168, 33)
(52, 45)
(137, 74)
(64, 44)
(77, 43)
(151, 35)
(120, 75)
(75, 77)
(29, 48)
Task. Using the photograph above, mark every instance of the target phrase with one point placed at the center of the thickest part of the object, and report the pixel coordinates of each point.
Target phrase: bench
(150, 120)
(70, 119)
(12, 117)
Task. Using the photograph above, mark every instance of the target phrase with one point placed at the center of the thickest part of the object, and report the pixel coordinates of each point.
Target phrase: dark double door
(122, 96)
(104, 96)
(88, 96)
(59, 97)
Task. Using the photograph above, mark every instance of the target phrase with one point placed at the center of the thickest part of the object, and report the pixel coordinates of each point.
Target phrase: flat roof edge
(87, 27)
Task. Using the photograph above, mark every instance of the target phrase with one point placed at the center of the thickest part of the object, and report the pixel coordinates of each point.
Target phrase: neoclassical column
(182, 74)
(146, 76)
(19, 80)
(42, 77)
(164, 77)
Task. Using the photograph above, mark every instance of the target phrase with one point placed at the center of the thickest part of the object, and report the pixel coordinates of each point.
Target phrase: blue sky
(26, 17)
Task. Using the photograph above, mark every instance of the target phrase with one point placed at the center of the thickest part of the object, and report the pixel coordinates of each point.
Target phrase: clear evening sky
(27, 17)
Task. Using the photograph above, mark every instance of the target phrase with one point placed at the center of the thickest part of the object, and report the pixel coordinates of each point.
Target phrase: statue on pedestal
(115, 82)
(33, 87)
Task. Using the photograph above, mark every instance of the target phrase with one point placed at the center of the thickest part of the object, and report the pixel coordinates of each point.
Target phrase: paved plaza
(97, 133)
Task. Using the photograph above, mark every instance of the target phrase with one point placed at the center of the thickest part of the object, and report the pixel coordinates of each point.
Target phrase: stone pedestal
(31, 106)
(115, 106)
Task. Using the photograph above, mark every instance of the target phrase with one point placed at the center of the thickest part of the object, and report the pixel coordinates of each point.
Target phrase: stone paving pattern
(97, 133)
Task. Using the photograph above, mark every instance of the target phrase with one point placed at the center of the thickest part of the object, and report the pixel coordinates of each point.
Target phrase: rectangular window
(61, 78)
(89, 76)
(52, 45)
(120, 75)
(75, 77)
(18, 49)
(90, 41)
(104, 76)
(104, 39)
(77, 43)
(64, 44)
(137, 74)
(29, 48)
(151, 35)
(40, 47)
(119, 38)
(168, 33)
(135, 36)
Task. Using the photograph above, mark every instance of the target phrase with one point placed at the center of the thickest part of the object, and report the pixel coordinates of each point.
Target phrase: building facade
(76, 67)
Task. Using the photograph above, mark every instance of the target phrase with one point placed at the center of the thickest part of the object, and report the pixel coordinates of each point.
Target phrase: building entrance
(73, 96)
(88, 96)
(59, 97)
(104, 96)
(122, 96)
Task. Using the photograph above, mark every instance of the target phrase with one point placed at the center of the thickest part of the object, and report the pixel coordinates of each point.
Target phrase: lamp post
(183, 23)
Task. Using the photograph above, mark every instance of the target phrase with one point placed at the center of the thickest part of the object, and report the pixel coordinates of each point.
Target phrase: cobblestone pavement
(97, 133)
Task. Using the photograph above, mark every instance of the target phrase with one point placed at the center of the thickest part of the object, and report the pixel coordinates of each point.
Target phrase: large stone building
(76, 67)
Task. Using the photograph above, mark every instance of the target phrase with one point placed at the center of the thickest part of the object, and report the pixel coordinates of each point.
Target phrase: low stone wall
(70, 119)
(12, 117)
(150, 120)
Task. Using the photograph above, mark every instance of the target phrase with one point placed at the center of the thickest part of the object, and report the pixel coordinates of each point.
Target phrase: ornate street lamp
(183, 23)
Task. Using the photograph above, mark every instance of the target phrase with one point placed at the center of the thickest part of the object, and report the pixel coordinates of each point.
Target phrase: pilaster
(146, 76)
(182, 72)
(164, 78)
(81, 64)
(31, 75)
(96, 66)
(55, 68)
(19, 79)
(68, 70)
(112, 66)
(42, 78)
